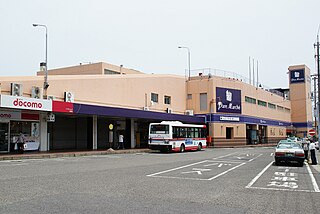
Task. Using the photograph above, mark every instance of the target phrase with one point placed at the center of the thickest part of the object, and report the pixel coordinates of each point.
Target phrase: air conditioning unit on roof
(146, 108)
(169, 110)
(16, 89)
(37, 92)
(189, 112)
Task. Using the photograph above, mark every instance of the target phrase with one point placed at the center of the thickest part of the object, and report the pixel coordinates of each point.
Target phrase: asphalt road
(238, 180)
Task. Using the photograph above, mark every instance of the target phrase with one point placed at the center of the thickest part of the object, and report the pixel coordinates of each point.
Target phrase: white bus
(176, 136)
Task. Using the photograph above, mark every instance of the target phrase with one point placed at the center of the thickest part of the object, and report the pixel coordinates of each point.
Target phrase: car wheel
(182, 148)
(301, 164)
(276, 163)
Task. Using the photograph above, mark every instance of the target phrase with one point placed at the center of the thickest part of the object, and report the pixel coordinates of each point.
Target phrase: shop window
(154, 97)
(167, 100)
(229, 133)
(203, 102)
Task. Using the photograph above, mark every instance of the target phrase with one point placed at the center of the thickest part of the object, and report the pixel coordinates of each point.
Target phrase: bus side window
(190, 132)
(183, 132)
(175, 133)
(196, 132)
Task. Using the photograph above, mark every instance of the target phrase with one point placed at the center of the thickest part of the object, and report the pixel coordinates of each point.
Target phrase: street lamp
(188, 58)
(45, 84)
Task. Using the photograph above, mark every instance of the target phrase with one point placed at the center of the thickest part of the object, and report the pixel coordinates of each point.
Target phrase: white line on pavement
(254, 158)
(181, 167)
(225, 172)
(259, 175)
(313, 180)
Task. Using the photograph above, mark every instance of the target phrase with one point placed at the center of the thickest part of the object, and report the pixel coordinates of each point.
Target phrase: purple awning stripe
(133, 113)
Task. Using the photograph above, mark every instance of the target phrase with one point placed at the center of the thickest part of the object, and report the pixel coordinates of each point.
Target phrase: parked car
(289, 152)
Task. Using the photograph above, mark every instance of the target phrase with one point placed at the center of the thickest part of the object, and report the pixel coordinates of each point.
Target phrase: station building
(87, 107)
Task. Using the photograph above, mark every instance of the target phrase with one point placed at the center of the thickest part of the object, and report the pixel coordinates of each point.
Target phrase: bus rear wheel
(182, 149)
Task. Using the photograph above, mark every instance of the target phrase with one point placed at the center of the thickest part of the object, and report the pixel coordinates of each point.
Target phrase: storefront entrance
(4, 137)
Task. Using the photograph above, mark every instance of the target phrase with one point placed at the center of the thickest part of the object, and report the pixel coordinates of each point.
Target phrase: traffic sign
(312, 132)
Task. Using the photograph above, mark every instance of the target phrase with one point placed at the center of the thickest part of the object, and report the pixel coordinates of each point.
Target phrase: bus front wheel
(182, 149)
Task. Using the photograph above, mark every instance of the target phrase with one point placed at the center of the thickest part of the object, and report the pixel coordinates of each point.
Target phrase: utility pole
(318, 74)
(315, 77)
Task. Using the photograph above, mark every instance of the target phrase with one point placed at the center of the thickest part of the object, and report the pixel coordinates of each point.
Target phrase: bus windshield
(159, 129)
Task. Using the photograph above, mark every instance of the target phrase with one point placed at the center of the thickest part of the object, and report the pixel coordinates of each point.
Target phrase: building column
(44, 142)
(132, 134)
(94, 132)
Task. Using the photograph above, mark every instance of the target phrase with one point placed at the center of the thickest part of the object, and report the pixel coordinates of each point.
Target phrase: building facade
(89, 106)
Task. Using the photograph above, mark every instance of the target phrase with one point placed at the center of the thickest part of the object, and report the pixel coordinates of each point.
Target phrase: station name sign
(297, 76)
(16, 102)
(225, 118)
(228, 100)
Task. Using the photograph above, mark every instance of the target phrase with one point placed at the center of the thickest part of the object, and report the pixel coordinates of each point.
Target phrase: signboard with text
(228, 100)
(297, 76)
(7, 101)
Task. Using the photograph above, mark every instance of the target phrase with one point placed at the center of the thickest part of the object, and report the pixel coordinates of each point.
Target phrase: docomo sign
(28, 104)
(25, 103)
(6, 115)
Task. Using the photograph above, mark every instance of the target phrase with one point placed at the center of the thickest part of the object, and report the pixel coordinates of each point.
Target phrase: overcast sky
(144, 35)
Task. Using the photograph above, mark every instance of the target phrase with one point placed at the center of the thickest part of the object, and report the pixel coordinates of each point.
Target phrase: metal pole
(249, 70)
(318, 66)
(253, 72)
(45, 84)
(315, 102)
(188, 59)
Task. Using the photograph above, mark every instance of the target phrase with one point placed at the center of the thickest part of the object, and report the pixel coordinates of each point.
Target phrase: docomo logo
(5, 116)
(27, 104)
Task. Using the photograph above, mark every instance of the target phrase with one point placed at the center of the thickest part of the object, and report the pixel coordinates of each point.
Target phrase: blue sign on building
(297, 76)
(228, 100)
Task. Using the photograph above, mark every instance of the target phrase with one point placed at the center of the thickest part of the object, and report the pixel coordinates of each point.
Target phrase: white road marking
(278, 189)
(197, 170)
(313, 180)
(271, 154)
(254, 158)
(225, 172)
(181, 167)
(259, 175)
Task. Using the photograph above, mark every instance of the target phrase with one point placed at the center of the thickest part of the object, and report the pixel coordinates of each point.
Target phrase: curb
(69, 154)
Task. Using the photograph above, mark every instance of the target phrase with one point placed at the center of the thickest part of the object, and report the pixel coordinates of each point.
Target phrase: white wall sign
(16, 102)
(9, 115)
(224, 118)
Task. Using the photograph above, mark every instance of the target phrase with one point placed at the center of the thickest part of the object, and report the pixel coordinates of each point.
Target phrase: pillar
(94, 132)
(44, 142)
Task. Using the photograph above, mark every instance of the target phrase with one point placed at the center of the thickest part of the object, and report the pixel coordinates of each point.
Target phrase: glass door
(4, 137)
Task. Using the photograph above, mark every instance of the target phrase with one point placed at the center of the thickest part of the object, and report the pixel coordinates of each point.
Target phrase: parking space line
(313, 180)
(254, 158)
(225, 172)
(278, 189)
(181, 167)
(259, 175)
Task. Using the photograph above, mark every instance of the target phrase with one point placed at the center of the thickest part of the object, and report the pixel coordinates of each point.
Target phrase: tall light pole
(188, 58)
(45, 84)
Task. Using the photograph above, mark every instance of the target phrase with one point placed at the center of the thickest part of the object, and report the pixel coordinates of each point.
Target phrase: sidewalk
(56, 154)
(317, 167)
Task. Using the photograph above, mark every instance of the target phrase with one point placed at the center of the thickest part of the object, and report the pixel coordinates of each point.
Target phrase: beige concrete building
(88, 106)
